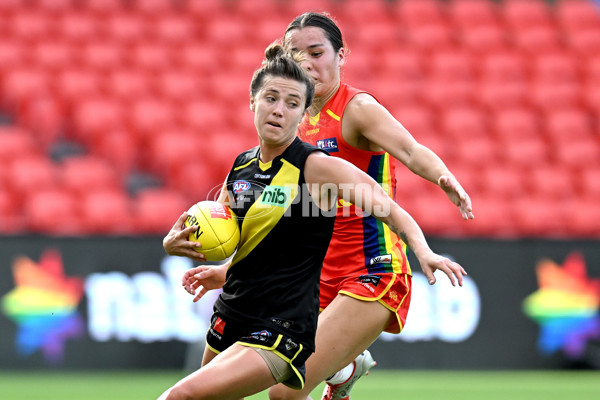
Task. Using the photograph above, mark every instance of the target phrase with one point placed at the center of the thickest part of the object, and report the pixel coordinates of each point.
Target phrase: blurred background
(117, 115)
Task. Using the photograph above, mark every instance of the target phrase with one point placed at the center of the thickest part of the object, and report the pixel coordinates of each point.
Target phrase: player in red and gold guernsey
(366, 277)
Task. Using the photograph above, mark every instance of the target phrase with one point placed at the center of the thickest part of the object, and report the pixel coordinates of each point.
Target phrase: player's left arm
(328, 177)
(365, 117)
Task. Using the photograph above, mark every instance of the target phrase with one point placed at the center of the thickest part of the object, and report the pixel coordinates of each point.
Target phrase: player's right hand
(177, 242)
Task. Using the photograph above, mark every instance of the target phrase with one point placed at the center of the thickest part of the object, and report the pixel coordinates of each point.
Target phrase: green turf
(380, 385)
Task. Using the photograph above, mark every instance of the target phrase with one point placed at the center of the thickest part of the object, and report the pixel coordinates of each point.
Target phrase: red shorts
(389, 289)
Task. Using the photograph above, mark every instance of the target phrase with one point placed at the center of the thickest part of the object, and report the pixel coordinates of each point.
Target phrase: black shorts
(223, 333)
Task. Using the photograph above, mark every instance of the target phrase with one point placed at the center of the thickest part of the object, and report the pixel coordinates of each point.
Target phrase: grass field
(380, 385)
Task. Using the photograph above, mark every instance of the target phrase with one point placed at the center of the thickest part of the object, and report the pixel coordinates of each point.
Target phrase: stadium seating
(506, 92)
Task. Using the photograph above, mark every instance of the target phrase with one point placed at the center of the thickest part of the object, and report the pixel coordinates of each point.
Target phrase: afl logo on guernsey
(329, 145)
(240, 186)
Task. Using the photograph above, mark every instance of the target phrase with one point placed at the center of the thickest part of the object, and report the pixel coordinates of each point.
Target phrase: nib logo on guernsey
(43, 305)
(566, 306)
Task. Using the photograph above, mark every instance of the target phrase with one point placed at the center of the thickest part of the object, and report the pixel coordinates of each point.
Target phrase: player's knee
(280, 392)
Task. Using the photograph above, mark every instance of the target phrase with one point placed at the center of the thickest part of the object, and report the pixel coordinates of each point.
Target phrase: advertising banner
(118, 303)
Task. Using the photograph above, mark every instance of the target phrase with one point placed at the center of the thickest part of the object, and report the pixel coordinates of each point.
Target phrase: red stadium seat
(12, 54)
(266, 11)
(468, 177)
(179, 87)
(200, 58)
(93, 116)
(494, 217)
(586, 41)
(175, 29)
(15, 143)
(467, 13)
(551, 182)
(556, 67)
(498, 95)
(357, 11)
(505, 182)
(577, 14)
(31, 174)
(187, 180)
(429, 37)
(591, 96)
(53, 212)
(450, 65)
(401, 61)
(74, 84)
(482, 39)
(578, 154)
(21, 85)
(515, 124)
(525, 13)
(107, 212)
(202, 116)
(567, 125)
(44, 116)
(11, 218)
(103, 7)
(591, 70)
(148, 116)
(418, 12)
(537, 39)
(128, 84)
(538, 217)
(29, 25)
(439, 93)
(103, 56)
(476, 152)
(582, 216)
(78, 27)
(417, 119)
(151, 57)
(156, 210)
(463, 123)
(502, 66)
(588, 182)
(153, 8)
(205, 10)
(551, 97)
(119, 147)
(54, 7)
(169, 150)
(224, 31)
(405, 91)
(127, 28)
(526, 153)
(80, 174)
(267, 30)
(437, 216)
(53, 55)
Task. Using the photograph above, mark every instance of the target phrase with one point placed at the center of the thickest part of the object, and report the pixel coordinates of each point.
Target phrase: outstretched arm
(331, 175)
(365, 118)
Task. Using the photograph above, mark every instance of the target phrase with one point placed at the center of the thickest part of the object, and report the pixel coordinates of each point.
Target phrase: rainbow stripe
(566, 306)
(44, 306)
(378, 239)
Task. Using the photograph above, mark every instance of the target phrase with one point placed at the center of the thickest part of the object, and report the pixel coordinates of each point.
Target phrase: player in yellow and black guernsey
(284, 238)
(284, 192)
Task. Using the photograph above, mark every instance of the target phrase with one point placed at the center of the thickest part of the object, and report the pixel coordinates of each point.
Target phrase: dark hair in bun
(279, 63)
